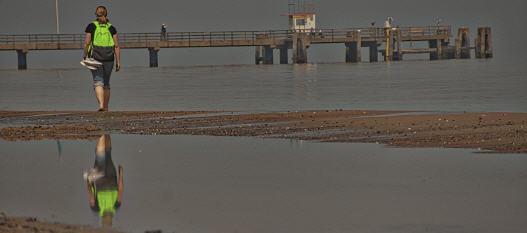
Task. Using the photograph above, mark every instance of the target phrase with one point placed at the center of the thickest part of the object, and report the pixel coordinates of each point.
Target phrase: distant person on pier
(164, 32)
(102, 45)
(388, 22)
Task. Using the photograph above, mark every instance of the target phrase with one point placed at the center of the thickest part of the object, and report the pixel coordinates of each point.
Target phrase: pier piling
(484, 43)
(153, 56)
(22, 59)
(374, 51)
(397, 54)
(268, 54)
(353, 53)
(439, 49)
(463, 43)
(299, 48)
(348, 45)
(283, 55)
(434, 44)
(257, 57)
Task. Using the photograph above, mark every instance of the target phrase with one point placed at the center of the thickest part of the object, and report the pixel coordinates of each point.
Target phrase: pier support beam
(257, 56)
(440, 49)
(463, 43)
(353, 53)
(22, 59)
(374, 51)
(300, 44)
(397, 44)
(283, 55)
(267, 54)
(484, 43)
(435, 44)
(153, 56)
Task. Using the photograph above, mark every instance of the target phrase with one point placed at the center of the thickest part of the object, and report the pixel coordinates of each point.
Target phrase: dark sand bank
(495, 132)
(31, 225)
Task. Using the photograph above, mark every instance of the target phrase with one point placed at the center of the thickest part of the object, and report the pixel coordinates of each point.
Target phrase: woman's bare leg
(101, 144)
(106, 99)
(99, 93)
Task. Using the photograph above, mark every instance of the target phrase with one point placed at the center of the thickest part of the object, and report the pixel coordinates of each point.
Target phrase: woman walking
(102, 45)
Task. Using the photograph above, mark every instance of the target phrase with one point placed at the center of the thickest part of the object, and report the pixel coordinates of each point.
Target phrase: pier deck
(438, 38)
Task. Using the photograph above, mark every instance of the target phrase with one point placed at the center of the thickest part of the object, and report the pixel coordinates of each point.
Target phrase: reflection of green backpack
(106, 200)
(102, 47)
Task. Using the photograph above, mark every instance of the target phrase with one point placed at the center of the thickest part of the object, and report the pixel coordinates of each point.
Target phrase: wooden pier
(438, 38)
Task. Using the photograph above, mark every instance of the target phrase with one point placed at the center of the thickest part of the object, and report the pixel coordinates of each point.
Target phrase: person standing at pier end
(163, 32)
(101, 44)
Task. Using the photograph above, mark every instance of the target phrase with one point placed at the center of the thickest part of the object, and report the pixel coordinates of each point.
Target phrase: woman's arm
(87, 42)
(92, 197)
(117, 53)
(120, 195)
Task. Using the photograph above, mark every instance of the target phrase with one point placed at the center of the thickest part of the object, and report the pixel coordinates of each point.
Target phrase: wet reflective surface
(232, 184)
(448, 85)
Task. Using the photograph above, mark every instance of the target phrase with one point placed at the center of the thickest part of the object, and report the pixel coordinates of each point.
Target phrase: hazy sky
(506, 17)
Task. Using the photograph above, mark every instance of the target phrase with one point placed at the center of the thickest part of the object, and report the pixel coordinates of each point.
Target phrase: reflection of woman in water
(104, 191)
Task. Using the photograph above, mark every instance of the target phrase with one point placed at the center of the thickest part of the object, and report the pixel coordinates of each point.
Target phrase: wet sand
(487, 132)
(31, 225)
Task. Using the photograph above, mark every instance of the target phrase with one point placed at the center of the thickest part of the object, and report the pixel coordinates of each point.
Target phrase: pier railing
(42, 38)
(391, 40)
(203, 36)
(380, 33)
(366, 33)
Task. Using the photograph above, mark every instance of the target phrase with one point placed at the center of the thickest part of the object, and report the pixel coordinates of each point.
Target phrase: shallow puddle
(237, 184)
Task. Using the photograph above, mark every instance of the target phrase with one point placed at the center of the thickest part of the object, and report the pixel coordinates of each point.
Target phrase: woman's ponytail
(103, 19)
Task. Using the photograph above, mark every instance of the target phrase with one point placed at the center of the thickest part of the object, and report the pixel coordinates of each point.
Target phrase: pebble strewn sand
(492, 132)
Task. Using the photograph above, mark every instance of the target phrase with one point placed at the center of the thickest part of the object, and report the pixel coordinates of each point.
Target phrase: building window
(300, 22)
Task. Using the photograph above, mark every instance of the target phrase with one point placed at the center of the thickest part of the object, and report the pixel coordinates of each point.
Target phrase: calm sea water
(450, 85)
(230, 184)
(234, 184)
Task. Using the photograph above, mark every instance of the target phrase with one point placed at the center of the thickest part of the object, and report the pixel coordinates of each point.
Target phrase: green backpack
(102, 46)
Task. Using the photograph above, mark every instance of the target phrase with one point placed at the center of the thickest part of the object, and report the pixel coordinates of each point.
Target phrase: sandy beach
(486, 132)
